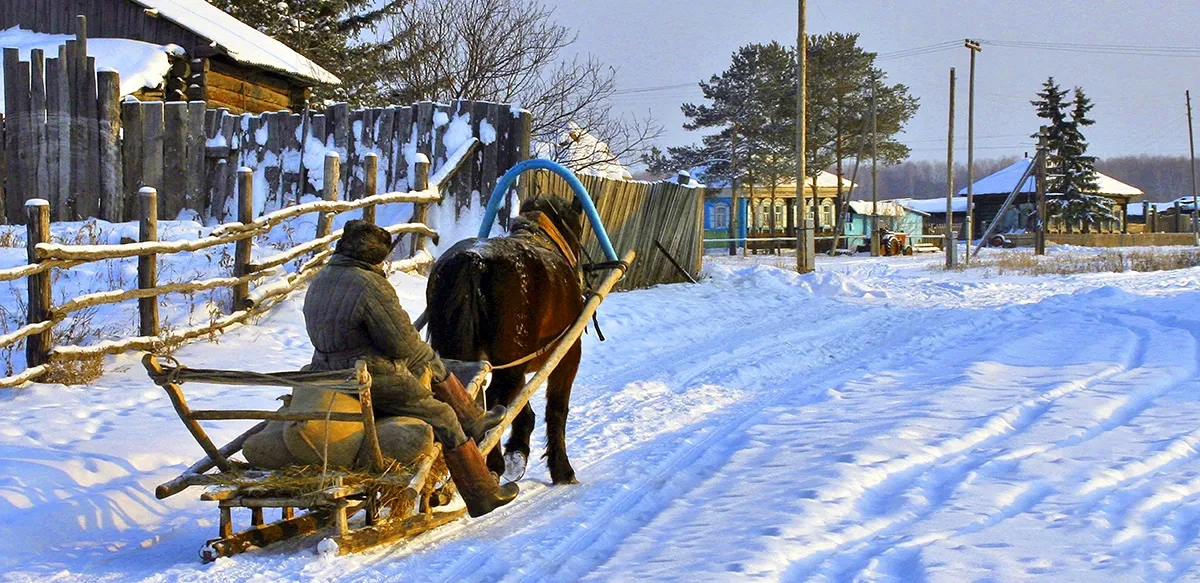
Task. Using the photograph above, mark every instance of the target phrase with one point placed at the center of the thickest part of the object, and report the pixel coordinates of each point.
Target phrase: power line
(1100, 49)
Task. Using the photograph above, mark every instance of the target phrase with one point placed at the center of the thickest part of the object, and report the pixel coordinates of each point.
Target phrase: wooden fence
(68, 139)
(45, 256)
(662, 221)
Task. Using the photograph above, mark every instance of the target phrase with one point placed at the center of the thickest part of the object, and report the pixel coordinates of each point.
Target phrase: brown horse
(503, 299)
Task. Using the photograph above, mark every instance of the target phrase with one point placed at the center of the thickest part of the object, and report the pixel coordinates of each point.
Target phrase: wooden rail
(45, 256)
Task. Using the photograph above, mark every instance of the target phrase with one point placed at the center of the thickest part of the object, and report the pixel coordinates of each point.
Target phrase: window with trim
(720, 218)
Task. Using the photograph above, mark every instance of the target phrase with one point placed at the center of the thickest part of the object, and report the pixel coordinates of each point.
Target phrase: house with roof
(762, 215)
(210, 55)
(862, 215)
(991, 191)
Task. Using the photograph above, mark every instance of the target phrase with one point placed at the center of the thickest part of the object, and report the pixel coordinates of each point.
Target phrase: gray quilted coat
(351, 313)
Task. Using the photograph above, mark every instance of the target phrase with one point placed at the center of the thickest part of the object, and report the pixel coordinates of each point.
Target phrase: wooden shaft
(560, 350)
(370, 179)
(179, 484)
(180, 404)
(241, 253)
(37, 228)
(148, 264)
(329, 191)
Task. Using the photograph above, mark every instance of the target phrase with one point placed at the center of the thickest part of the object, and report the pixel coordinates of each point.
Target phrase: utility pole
(1192, 147)
(874, 174)
(974, 47)
(951, 241)
(734, 208)
(805, 248)
(1043, 150)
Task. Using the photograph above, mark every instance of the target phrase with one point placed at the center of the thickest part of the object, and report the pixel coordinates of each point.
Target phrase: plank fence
(70, 140)
(271, 282)
(661, 221)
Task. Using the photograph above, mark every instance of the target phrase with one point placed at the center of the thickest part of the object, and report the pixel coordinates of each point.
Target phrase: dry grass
(1106, 261)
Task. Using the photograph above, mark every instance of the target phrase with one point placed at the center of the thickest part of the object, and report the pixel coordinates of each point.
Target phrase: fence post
(420, 183)
(241, 250)
(370, 188)
(333, 172)
(148, 264)
(37, 229)
(111, 182)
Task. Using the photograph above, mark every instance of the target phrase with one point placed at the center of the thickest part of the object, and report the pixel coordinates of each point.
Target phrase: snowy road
(876, 421)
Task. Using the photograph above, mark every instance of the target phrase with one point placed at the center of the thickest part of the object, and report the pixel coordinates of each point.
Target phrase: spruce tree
(1071, 172)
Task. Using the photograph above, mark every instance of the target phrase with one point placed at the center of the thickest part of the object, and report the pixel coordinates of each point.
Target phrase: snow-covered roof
(932, 205)
(581, 147)
(885, 208)
(140, 64)
(824, 180)
(1003, 182)
(242, 42)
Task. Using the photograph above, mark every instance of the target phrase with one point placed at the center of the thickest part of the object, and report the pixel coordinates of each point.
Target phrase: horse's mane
(566, 215)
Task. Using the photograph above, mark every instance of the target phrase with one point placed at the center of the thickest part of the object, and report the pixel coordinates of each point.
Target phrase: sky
(1139, 99)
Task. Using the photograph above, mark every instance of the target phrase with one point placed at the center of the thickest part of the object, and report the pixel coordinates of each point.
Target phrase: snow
(140, 64)
(1003, 181)
(933, 205)
(893, 422)
(237, 39)
(882, 208)
(487, 133)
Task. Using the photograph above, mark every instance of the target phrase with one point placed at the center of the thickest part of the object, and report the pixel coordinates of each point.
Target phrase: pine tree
(345, 37)
(1072, 173)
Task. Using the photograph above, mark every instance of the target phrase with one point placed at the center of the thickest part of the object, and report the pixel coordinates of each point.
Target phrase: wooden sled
(396, 502)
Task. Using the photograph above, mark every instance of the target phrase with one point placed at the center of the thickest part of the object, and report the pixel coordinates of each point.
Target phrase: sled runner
(397, 499)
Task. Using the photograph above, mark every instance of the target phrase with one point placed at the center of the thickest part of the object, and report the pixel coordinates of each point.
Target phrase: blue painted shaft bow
(581, 193)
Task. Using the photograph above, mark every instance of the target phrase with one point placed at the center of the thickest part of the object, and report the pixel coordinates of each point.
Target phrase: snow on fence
(45, 256)
(70, 140)
(661, 221)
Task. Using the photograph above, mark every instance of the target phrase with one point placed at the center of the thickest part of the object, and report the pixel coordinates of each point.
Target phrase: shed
(891, 215)
(224, 61)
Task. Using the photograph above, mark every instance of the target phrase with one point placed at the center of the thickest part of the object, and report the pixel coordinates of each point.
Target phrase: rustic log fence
(661, 221)
(45, 256)
(70, 140)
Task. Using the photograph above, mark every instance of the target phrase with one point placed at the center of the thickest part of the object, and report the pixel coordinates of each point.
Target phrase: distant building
(892, 216)
(215, 57)
(991, 192)
(773, 216)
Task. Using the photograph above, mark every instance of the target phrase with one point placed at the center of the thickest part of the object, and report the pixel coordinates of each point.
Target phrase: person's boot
(477, 485)
(474, 420)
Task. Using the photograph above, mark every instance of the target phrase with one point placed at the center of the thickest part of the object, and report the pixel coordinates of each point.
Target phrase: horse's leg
(558, 401)
(516, 449)
(503, 388)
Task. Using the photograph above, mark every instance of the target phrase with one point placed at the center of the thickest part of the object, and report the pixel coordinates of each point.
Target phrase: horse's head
(566, 215)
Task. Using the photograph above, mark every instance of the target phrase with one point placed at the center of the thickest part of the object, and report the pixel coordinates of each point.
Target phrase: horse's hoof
(514, 466)
(566, 481)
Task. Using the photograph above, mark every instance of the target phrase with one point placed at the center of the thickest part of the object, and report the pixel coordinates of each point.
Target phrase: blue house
(892, 216)
(716, 221)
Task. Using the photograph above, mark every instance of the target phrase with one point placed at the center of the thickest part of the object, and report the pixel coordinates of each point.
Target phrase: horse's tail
(457, 312)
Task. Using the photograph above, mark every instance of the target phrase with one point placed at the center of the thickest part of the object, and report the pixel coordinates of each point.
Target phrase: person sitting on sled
(352, 313)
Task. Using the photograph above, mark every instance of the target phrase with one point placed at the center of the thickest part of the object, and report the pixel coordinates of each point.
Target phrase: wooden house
(223, 61)
(991, 191)
(756, 207)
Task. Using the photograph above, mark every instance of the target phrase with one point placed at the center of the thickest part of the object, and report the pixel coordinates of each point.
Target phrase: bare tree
(510, 51)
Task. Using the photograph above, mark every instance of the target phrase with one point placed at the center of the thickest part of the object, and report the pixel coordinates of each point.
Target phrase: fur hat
(365, 242)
